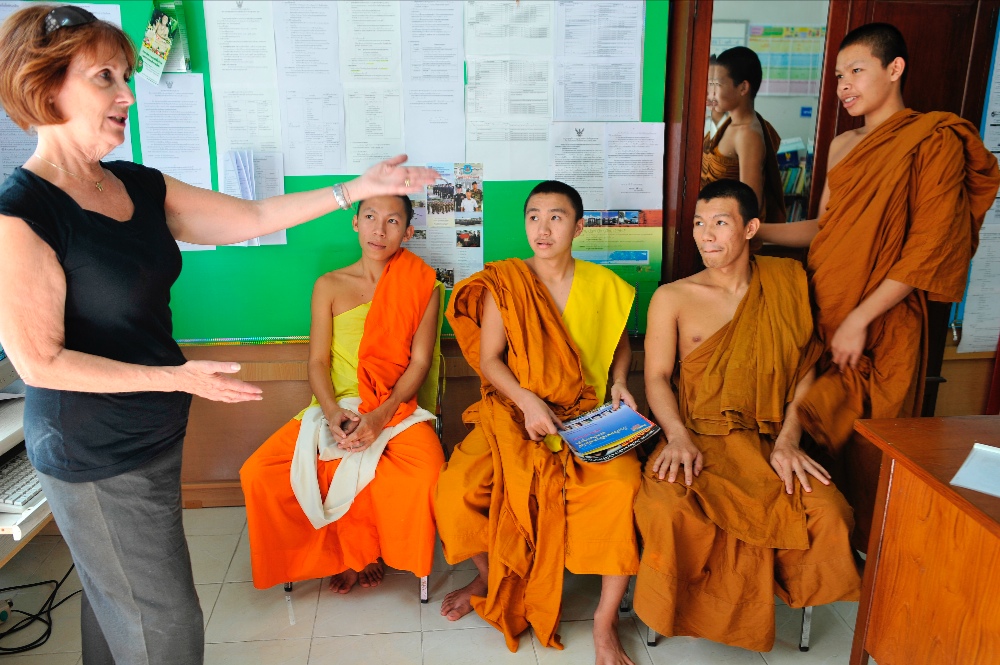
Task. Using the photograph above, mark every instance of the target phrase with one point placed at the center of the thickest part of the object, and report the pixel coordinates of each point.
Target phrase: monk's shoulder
(674, 295)
(842, 144)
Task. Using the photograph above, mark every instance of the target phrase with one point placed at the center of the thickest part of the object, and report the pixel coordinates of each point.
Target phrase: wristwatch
(341, 196)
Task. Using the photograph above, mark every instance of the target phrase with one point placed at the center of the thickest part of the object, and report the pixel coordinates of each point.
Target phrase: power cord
(44, 615)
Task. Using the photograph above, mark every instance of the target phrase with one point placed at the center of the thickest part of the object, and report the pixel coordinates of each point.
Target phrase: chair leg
(288, 587)
(424, 597)
(650, 637)
(807, 615)
(626, 605)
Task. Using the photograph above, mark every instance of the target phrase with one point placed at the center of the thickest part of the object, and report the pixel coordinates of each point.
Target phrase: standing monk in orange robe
(743, 148)
(371, 344)
(718, 546)
(899, 222)
(543, 335)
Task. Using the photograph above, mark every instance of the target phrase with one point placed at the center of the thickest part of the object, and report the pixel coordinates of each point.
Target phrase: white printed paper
(508, 28)
(635, 165)
(509, 86)
(578, 160)
(433, 51)
(173, 129)
(369, 41)
(374, 125)
(509, 148)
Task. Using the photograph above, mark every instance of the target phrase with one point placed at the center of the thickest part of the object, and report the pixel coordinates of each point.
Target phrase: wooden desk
(931, 592)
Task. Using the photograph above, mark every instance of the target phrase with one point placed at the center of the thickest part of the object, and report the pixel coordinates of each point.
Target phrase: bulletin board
(264, 292)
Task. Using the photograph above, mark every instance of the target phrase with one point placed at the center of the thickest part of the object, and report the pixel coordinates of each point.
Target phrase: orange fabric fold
(532, 510)
(715, 553)
(392, 517)
(716, 166)
(906, 204)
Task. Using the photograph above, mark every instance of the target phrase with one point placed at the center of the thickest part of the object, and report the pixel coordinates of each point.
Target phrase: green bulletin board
(236, 292)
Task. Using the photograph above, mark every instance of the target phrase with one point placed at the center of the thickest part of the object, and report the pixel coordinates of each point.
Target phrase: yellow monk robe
(905, 204)
(537, 512)
(390, 518)
(715, 553)
(716, 166)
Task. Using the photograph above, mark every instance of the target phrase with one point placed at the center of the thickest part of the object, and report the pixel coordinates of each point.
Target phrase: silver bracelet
(338, 193)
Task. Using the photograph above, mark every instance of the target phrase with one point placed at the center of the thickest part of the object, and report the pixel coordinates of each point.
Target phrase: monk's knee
(827, 510)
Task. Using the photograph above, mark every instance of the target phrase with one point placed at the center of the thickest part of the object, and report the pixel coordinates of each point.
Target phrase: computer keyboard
(19, 486)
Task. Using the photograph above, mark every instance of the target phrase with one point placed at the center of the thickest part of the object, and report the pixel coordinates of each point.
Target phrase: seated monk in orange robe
(348, 483)
(899, 222)
(754, 515)
(543, 335)
(743, 148)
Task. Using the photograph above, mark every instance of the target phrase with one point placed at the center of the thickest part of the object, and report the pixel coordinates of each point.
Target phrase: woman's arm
(32, 332)
(204, 217)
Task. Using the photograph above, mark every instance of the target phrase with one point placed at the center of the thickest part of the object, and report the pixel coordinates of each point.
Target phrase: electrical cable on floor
(44, 615)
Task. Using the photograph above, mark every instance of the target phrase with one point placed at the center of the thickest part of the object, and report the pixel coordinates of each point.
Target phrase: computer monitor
(8, 374)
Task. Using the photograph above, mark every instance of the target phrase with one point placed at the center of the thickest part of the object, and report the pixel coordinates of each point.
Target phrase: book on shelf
(605, 433)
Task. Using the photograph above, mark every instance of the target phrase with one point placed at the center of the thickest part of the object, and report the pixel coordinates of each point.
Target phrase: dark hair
(742, 64)
(713, 60)
(556, 187)
(884, 40)
(741, 192)
(35, 61)
(407, 206)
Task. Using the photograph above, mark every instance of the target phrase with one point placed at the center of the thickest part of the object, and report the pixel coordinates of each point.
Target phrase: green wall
(265, 291)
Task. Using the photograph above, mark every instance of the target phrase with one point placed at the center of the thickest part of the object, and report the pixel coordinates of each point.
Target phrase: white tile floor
(384, 625)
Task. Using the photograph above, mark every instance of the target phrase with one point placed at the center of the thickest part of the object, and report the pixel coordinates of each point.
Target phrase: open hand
(206, 378)
(391, 177)
(679, 452)
(790, 462)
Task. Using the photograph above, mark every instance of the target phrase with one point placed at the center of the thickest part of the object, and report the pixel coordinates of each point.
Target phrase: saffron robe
(905, 204)
(392, 517)
(715, 553)
(535, 511)
(716, 166)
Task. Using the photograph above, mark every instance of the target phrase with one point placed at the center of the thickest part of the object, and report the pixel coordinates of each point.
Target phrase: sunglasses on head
(67, 16)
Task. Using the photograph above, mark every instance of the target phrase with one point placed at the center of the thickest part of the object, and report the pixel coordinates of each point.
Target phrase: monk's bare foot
(344, 582)
(371, 576)
(607, 646)
(458, 603)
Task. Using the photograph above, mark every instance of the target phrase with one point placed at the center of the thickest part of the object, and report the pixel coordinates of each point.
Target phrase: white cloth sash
(356, 470)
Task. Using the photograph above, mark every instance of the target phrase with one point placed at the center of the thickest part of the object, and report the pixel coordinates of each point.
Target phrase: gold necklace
(97, 184)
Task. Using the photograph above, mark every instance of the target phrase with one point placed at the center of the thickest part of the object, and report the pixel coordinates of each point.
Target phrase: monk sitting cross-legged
(348, 483)
(731, 510)
(543, 335)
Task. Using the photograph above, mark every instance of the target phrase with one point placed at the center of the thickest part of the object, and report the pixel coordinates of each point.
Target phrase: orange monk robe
(716, 166)
(536, 512)
(716, 553)
(905, 204)
(391, 517)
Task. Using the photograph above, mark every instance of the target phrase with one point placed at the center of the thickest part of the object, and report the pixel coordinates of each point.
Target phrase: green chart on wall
(236, 292)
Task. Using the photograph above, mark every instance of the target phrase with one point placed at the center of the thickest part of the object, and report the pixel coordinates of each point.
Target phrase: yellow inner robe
(538, 512)
(715, 553)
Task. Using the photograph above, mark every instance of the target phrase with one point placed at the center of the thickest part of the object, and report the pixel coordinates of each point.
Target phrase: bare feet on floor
(458, 603)
(607, 646)
(344, 582)
(371, 576)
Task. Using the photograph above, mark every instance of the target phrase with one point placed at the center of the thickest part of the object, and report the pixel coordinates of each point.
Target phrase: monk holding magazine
(543, 335)
(899, 222)
(731, 510)
(348, 483)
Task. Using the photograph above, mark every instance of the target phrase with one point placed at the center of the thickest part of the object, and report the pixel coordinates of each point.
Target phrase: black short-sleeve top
(118, 280)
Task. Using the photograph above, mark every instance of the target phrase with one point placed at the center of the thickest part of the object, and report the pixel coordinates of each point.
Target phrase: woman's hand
(369, 426)
(390, 177)
(205, 378)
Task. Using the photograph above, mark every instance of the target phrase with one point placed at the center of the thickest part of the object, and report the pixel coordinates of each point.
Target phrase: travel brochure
(605, 433)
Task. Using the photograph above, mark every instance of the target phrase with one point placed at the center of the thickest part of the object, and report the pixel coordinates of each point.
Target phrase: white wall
(782, 112)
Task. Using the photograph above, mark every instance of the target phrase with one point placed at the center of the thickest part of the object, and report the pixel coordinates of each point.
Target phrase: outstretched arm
(539, 420)
(372, 423)
(661, 354)
(204, 217)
